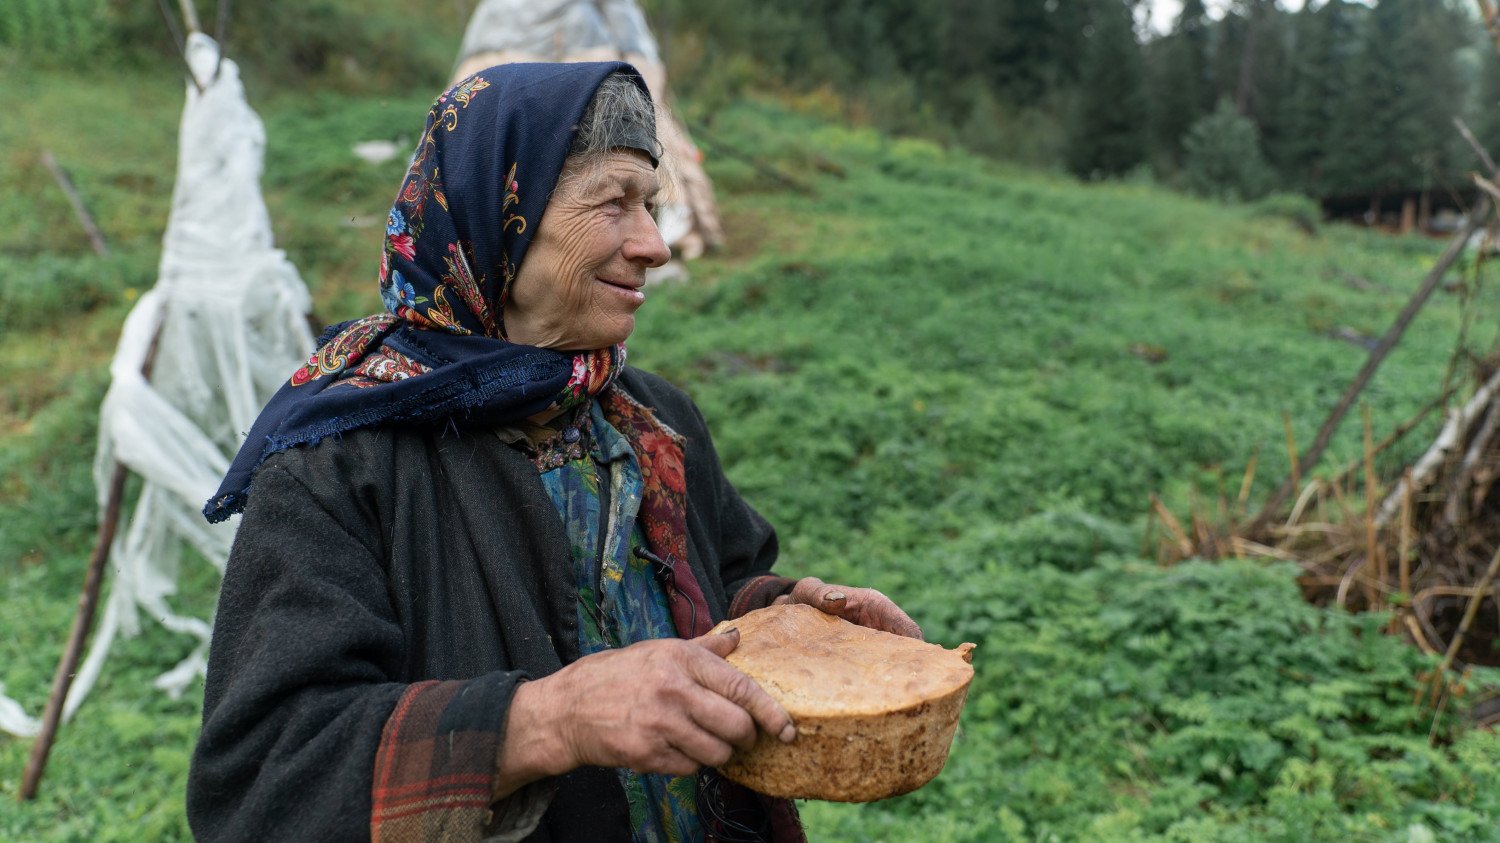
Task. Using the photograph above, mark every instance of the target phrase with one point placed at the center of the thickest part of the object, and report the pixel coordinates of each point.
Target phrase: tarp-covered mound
(228, 320)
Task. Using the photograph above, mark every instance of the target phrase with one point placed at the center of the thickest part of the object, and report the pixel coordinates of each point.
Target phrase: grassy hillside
(947, 379)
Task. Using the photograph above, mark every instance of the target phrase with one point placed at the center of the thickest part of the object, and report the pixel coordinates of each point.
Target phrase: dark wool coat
(396, 555)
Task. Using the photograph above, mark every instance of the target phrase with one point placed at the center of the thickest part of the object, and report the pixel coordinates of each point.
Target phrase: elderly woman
(469, 595)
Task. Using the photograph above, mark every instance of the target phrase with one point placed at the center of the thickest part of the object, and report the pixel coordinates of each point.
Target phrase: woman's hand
(864, 606)
(666, 706)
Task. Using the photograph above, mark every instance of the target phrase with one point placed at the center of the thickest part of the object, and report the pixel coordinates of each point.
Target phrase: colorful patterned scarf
(483, 172)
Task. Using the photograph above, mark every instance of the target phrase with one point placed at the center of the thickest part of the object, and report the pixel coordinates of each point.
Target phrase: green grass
(952, 380)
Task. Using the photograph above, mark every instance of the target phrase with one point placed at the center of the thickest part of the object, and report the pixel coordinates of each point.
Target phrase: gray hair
(620, 115)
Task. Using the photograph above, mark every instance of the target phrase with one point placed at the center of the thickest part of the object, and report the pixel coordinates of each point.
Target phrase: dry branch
(1168, 520)
(1474, 144)
(75, 199)
(1456, 508)
(1426, 468)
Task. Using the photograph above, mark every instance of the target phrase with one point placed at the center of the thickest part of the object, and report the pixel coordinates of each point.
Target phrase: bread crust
(875, 712)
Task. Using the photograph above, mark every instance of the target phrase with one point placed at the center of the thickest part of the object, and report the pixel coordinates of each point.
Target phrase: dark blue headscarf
(483, 171)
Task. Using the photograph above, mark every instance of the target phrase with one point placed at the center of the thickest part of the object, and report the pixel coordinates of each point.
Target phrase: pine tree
(1183, 91)
(1222, 157)
(1108, 134)
(1392, 116)
(1486, 119)
(1297, 154)
(1351, 152)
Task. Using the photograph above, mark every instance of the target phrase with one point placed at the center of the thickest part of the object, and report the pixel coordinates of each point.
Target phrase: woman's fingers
(885, 614)
(680, 705)
(815, 592)
(723, 719)
(700, 745)
(720, 644)
(670, 761)
(864, 606)
(722, 678)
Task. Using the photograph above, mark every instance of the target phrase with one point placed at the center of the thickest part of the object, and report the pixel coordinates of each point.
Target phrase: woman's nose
(644, 244)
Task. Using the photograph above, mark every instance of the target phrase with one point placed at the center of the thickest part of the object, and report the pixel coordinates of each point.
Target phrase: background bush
(1222, 158)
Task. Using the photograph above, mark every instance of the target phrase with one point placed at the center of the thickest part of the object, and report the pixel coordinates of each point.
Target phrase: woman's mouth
(629, 290)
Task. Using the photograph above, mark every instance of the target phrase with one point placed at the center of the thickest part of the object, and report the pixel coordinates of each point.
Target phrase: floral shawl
(483, 172)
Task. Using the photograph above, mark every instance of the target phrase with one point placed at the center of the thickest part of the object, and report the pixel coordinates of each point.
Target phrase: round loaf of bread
(875, 712)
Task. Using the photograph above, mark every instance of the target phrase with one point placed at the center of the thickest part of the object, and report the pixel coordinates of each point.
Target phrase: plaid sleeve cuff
(758, 594)
(435, 768)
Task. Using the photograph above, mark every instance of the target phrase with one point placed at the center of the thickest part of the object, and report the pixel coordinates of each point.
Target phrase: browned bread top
(819, 665)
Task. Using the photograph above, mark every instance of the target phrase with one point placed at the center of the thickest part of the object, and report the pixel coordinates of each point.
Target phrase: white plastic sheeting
(506, 31)
(231, 313)
(553, 29)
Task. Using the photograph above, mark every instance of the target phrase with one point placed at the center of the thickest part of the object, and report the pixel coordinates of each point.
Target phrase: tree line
(1337, 100)
(1341, 100)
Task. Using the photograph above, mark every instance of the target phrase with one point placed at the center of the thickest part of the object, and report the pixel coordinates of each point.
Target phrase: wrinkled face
(580, 284)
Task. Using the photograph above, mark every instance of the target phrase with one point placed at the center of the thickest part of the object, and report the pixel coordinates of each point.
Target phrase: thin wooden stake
(1168, 520)
(180, 40)
(1404, 560)
(701, 132)
(80, 210)
(1417, 635)
(1291, 449)
(1441, 700)
(1372, 548)
(190, 16)
(1474, 144)
(83, 620)
(1245, 484)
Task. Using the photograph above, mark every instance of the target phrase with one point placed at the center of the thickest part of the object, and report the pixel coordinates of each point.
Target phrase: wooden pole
(774, 174)
(190, 16)
(83, 621)
(221, 25)
(1491, 20)
(80, 210)
(1474, 144)
(88, 601)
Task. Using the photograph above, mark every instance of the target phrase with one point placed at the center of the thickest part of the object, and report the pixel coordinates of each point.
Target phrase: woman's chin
(598, 339)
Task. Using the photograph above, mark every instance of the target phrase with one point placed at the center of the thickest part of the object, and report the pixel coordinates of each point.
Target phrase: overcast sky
(1164, 12)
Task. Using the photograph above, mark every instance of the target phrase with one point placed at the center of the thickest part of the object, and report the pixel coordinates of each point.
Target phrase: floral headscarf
(484, 168)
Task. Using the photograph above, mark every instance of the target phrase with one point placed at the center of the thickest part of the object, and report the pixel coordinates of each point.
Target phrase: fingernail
(730, 631)
(788, 734)
(834, 595)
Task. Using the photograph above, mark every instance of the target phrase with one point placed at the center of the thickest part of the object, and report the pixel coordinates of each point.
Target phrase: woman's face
(580, 283)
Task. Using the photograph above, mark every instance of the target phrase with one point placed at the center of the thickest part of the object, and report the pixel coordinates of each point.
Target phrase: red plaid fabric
(431, 783)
